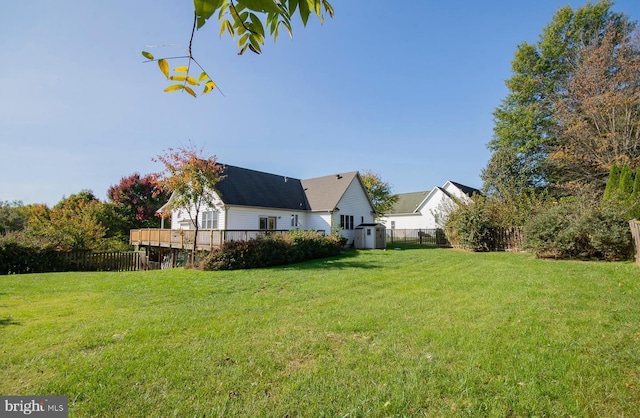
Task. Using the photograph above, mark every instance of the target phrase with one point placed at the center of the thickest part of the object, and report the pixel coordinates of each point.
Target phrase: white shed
(370, 236)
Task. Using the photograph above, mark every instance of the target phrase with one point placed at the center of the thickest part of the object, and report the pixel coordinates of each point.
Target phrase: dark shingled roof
(469, 191)
(244, 187)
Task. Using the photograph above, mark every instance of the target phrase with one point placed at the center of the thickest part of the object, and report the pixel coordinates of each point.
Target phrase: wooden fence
(634, 224)
(506, 239)
(104, 261)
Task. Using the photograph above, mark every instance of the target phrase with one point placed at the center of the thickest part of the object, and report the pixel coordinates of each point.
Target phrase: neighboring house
(427, 209)
(252, 200)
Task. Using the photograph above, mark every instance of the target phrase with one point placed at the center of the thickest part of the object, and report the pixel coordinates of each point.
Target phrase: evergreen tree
(612, 183)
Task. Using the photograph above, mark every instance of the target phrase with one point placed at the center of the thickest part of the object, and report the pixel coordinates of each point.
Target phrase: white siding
(319, 221)
(453, 190)
(432, 214)
(180, 218)
(413, 221)
(247, 218)
(354, 202)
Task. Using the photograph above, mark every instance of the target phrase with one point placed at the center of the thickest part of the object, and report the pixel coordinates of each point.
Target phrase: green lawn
(418, 332)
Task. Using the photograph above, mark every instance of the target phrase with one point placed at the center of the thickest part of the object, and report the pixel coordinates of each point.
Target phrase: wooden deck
(207, 239)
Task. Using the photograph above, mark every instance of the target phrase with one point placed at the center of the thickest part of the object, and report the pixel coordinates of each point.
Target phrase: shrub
(273, 250)
(577, 227)
(18, 254)
(470, 227)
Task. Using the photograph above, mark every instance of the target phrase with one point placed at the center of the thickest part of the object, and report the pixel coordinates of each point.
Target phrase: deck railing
(183, 238)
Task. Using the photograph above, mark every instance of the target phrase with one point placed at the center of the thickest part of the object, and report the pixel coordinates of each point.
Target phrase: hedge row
(16, 258)
(273, 250)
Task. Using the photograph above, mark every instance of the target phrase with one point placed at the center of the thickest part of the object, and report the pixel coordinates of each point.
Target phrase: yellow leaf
(174, 87)
(181, 69)
(164, 67)
(188, 90)
(147, 55)
(192, 81)
(210, 85)
(203, 76)
(178, 78)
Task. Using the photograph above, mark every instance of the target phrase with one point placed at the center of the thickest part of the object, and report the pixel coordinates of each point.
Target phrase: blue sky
(406, 90)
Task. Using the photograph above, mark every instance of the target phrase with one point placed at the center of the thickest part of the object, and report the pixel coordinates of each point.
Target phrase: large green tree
(380, 192)
(13, 217)
(527, 129)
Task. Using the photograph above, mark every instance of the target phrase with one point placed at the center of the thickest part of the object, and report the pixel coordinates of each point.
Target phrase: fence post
(634, 224)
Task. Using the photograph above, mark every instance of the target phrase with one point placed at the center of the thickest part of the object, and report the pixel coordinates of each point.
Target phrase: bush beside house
(274, 250)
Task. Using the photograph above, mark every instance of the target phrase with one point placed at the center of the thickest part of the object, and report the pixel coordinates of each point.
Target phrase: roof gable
(469, 191)
(324, 193)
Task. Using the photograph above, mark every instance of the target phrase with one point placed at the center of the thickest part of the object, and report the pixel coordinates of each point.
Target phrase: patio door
(268, 223)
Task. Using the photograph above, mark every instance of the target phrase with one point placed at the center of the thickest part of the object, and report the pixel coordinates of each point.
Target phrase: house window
(393, 224)
(346, 221)
(209, 220)
(369, 231)
(294, 221)
(268, 222)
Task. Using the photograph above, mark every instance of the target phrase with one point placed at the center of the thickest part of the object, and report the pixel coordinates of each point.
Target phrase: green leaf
(147, 55)
(190, 91)
(256, 24)
(251, 47)
(304, 11)
(205, 8)
(293, 5)
(181, 69)
(328, 7)
(254, 41)
(243, 39)
(174, 87)
(164, 67)
(226, 25)
(262, 6)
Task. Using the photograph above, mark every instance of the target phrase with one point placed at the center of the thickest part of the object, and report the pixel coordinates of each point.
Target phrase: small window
(209, 220)
(393, 224)
(294, 221)
(369, 231)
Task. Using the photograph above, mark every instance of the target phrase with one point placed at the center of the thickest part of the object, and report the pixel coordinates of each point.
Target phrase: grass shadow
(4, 322)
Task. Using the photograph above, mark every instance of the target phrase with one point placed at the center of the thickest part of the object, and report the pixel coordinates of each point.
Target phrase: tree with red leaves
(137, 199)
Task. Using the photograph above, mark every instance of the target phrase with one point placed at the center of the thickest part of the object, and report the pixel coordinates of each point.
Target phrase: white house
(251, 200)
(427, 209)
